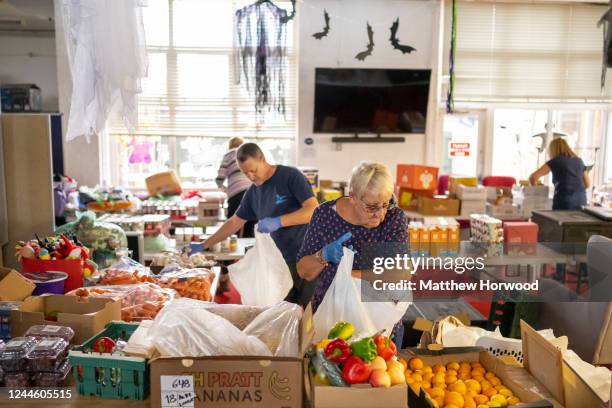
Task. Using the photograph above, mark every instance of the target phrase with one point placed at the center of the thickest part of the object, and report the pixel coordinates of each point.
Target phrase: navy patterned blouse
(326, 226)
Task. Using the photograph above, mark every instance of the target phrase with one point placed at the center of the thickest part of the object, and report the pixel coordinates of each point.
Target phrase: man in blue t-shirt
(282, 202)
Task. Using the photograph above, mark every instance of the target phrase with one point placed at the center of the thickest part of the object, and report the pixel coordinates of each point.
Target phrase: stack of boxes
(521, 238)
(500, 203)
(473, 199)
(532, 198)
(487, 233)
(435, 236)
(413, 182)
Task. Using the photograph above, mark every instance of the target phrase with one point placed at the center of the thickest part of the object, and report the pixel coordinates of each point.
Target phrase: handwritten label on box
(177, 391)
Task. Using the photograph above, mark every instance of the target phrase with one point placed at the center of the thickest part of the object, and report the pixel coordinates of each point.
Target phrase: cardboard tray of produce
(523, 385)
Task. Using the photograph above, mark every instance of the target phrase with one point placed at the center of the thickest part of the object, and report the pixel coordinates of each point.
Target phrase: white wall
(419, 27)
(28, 58)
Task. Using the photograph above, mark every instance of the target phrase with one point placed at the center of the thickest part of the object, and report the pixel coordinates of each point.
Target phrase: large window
(190, 103)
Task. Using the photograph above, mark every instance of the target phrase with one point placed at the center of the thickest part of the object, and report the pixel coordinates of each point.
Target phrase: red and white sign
(456, 149)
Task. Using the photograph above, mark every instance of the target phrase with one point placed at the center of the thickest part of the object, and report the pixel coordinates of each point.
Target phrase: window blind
(527, 52)
(190, 89)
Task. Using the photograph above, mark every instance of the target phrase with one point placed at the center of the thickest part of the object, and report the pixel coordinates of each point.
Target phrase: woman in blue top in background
(570, 176)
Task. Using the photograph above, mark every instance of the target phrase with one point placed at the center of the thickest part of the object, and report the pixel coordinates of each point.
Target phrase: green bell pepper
(364, 348)
(341, 330)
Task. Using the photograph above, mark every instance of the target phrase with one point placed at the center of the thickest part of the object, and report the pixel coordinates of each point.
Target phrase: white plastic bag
(343, 302)
(191, 328)
(262, 277)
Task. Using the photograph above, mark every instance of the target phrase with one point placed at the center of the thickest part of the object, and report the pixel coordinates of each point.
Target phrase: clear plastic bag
(190, 328)
(262, 277)
(192, 283)
(344, 301)
(124, 272)
(138, 302)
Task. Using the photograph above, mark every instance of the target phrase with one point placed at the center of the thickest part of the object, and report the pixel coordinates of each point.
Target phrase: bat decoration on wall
(285, 20)
(325, 31)
(396, 42)
(364, 54)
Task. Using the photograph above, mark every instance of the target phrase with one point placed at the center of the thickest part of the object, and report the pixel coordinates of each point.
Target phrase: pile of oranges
(458, 385)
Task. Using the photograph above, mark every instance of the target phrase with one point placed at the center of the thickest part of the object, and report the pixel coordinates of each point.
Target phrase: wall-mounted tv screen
(355, 100)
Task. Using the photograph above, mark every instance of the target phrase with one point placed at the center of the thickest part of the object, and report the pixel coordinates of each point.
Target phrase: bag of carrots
(140, 301)
(126, 271)
(190, 283)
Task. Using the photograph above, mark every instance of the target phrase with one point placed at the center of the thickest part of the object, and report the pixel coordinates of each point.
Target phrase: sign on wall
(458, 149)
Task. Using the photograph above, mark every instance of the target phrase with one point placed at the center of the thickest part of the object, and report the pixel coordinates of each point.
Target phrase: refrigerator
(30, 151)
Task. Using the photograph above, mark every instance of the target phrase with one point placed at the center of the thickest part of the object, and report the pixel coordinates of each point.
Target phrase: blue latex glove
(268, 225)
(332, 252)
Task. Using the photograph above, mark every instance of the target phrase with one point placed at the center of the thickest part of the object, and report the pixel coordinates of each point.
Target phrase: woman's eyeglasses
(373, 208)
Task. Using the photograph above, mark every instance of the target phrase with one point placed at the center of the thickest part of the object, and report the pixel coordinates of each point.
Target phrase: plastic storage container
(17, 380)
(55, 378)
(48, 330)
(13, 357)
(48, 354)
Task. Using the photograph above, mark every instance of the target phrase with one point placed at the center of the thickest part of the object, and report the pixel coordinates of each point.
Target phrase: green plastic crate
(108, 375)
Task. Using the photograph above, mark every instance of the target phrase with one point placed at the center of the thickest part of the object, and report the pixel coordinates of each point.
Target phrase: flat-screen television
(356, 100)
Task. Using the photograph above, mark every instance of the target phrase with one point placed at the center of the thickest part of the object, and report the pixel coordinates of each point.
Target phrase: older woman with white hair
(368, 215)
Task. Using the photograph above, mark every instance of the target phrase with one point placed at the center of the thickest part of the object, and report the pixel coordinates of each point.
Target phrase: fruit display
(342, 361)
(46, 330)
(138, 302)
(55, 378)
(48, 354)
(458, 384)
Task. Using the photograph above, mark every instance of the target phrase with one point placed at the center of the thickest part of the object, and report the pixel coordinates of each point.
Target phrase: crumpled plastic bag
(598, 378)
(191, 328)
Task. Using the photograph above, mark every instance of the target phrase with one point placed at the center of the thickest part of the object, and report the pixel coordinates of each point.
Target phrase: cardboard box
(546, 363)
(503, 211)
(438, 206)
(494, 192)
(478, 193)
(166, 183)
(408, 198)
(14, 286)
(531, 392)
(469, 207)
(536, 191)
(232, 381)
(520, 237)
(464, 181)
(356, 396)
(86, 317)
(417, 177)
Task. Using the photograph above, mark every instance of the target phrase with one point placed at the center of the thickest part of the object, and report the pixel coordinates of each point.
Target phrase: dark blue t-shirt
(282, 194)
(567, 174)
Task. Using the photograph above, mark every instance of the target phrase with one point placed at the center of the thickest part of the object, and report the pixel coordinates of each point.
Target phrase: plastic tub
(48, 354)
(47, 282)
(17, 380)
(55, 378)
(13, 357)
(48, 330)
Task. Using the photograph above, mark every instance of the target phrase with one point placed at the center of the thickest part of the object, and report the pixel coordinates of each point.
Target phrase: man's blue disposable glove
(268, 225)
(333, 251)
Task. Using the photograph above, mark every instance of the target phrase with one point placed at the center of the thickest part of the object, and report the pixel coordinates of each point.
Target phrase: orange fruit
(478, 378)
(489, 375)
(469, 402)
(500, 399)
(436, 392)
(438, 378)
(490, 392)
(485, 385)
(464, 376)
(495, 381)
(458, 386)
(505, 392)
(416, 387)
(409, 380)
(427, 369)
(439, 368)
(440, 401)
(482, 406)
(475, 364)
(450, 371)
(478, 371)
(481, 399)
(415, 363)
(417, 377)
(451, 406)
(428, 377)
(455, 398)
(513, 401)
(403, 362)
(473, 385)
(425, 385)
(449, 379)
(452, 366)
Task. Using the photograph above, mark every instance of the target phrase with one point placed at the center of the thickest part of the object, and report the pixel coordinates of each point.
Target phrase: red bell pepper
(104, 345)
(356, 371)
(385, 347)
(338, 351)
